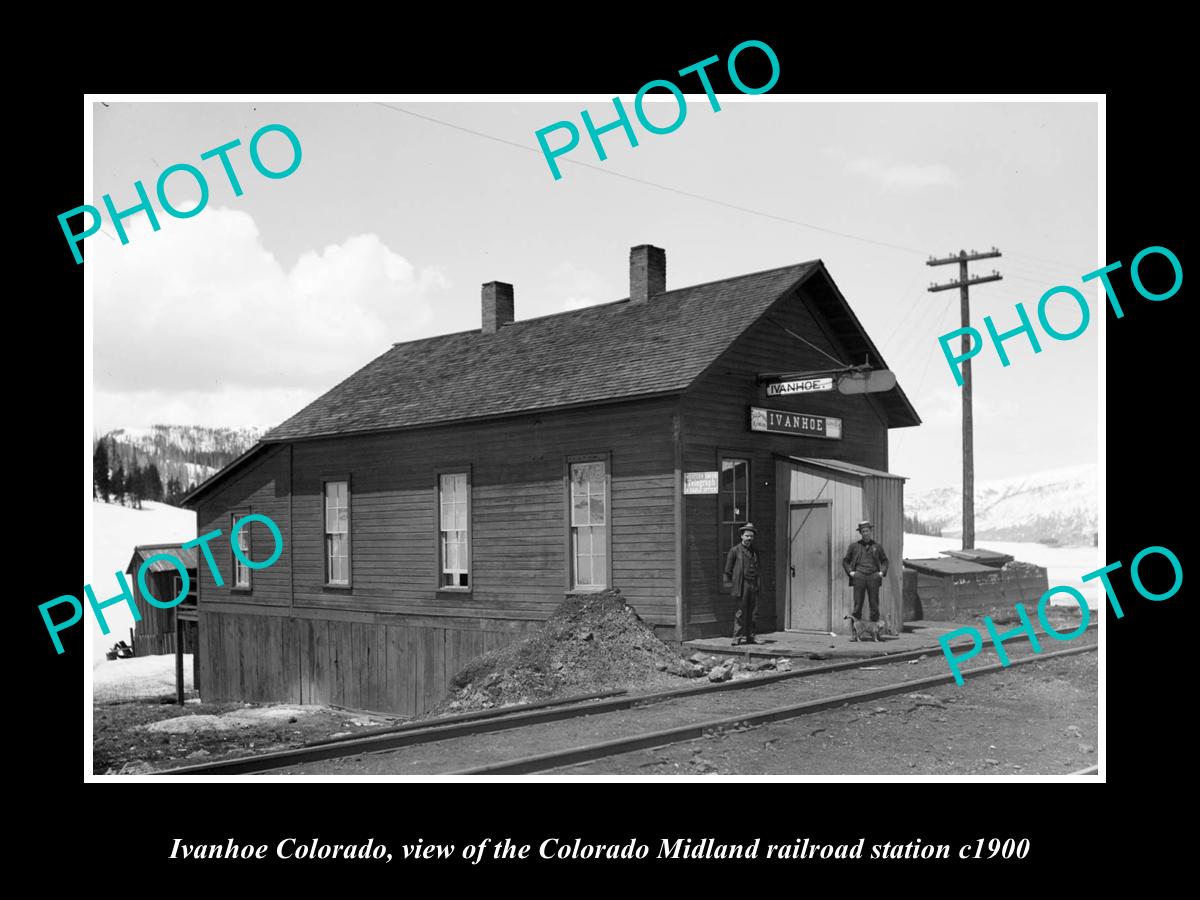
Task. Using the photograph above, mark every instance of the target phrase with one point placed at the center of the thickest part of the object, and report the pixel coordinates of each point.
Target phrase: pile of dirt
(593, 642)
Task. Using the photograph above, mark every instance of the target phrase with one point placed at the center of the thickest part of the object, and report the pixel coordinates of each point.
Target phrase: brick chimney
(647, 272)
(497, 306)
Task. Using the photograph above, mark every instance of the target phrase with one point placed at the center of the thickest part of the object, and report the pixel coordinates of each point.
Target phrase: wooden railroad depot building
(442, 500)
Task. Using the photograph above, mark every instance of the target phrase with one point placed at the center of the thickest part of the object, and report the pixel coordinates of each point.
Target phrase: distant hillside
(186, 453)
(1058, 506)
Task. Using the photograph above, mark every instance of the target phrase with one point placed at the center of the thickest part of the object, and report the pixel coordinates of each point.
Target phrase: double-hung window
(589, 518)
(453, 528)
(241, 571)
(734, 500)
(337, 533)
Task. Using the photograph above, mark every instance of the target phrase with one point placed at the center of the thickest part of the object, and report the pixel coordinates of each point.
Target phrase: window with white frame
(735, 501)
(454, 506)
(337, 532)
(241, 572)
(589, 524)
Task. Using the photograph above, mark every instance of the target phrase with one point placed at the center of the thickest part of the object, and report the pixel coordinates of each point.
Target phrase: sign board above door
(799, 386)
(699, 482)
(783, 422)
(851, 380)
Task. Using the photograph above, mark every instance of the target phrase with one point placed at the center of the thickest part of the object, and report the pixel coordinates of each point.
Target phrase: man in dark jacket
(866, 565)
(742, 582)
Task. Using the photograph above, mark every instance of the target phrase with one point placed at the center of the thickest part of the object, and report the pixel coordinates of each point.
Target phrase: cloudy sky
(245, 312)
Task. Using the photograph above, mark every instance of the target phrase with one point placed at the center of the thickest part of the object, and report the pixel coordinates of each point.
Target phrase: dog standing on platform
(860, 629)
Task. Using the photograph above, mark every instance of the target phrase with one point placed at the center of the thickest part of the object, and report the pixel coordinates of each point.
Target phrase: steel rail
(589, 752)
(518, 716)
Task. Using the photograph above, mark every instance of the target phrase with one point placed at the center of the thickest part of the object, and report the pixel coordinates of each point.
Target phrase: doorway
(810, 574)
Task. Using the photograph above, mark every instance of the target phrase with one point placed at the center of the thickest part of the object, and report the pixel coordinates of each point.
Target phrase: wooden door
(810, 586)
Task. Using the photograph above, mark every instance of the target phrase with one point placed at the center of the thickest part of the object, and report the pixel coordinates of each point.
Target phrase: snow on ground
(1064, 565)
(241, 718)
(116, 530)
(137, 678)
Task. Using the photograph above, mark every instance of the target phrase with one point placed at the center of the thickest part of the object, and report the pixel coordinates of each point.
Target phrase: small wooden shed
(949, 588)
(820, 503)
(155, 633)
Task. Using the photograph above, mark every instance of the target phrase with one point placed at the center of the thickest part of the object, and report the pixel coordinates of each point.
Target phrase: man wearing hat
(741, 580)
(866, 565)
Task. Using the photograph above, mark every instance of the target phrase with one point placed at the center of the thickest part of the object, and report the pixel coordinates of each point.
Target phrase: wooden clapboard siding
(392, 640)
(518, 525)
(159, 644)
(715, 418)
(950, 597)
(804, 484)
(883, 505)
(384, 665)
(262, 487)
(854, 497)
(155, 633)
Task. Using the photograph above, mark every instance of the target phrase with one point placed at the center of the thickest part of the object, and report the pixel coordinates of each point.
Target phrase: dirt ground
(1039, 718)
(134, 737)
(1036, 719)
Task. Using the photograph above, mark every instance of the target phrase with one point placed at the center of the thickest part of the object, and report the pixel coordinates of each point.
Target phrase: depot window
(337, 533)
(241, 572)
(588, 502)
(734, 499)
(454, 518)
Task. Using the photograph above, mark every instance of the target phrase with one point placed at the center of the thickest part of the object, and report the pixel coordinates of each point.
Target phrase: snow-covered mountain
(188, 453)
(1058, 506)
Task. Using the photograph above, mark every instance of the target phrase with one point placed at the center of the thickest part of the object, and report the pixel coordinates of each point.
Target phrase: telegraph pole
(968, 454)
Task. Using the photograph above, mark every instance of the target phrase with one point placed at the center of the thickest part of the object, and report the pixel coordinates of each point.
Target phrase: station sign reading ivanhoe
(782, 422)
(799, 386)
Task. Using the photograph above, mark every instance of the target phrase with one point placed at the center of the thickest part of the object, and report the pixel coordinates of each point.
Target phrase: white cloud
(903, 176)
(200, 316)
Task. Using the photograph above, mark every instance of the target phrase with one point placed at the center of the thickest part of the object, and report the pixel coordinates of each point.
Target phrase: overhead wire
(1018, 266)
(924, 371)
(662, 187)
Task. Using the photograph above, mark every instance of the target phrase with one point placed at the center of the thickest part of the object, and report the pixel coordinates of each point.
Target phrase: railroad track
(508, 718)
(587, 753)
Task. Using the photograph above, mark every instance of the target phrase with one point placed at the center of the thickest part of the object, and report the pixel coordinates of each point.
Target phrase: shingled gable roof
(613, 351)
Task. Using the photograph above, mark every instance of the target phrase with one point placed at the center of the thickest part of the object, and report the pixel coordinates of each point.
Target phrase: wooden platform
(924, 634)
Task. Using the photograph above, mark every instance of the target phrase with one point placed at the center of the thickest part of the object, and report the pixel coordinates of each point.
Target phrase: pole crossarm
(974, 279)
(962, 256)
(964, 282)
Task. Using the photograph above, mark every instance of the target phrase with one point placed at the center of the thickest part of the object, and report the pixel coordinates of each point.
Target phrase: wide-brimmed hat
(748, 527)
(864, 524)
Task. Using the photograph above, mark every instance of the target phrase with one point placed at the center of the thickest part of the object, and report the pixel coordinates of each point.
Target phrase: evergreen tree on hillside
(137, 484)
(174, 491)
(913, 525)
(101, 484)
(118, 483)
(154, 485)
